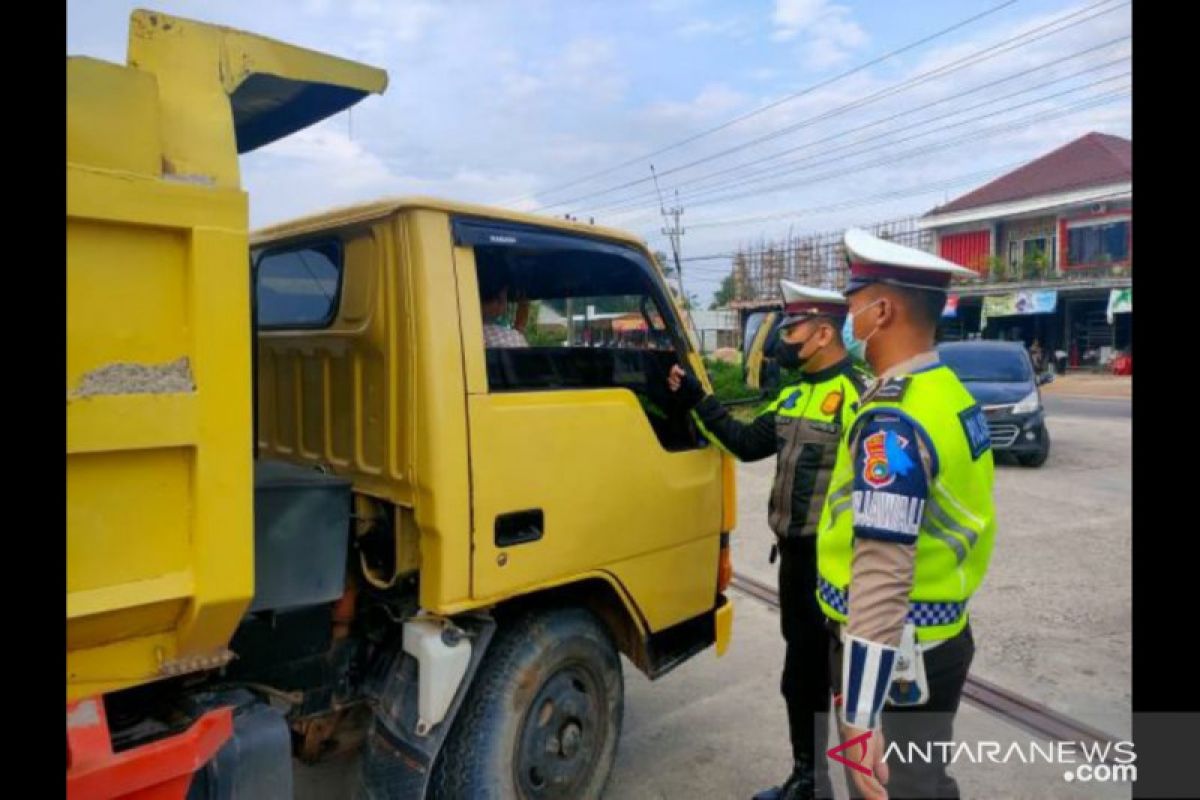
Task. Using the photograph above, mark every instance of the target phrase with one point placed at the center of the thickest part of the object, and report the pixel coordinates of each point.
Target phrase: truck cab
(322, 496)
(522, 473)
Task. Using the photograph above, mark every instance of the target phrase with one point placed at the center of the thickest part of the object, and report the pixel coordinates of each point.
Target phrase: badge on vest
(832, 403)
(974, 424)
(790, 401)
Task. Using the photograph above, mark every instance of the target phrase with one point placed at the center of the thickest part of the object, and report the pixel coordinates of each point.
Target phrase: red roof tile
(1092, 160)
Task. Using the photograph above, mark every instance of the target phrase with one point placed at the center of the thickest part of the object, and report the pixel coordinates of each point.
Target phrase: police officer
(907, 528)
(803, 426)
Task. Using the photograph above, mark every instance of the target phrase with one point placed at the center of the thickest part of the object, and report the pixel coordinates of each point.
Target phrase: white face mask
(855, 346)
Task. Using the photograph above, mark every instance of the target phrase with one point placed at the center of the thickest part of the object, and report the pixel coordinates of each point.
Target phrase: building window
(1098, 243)
(1031, 257)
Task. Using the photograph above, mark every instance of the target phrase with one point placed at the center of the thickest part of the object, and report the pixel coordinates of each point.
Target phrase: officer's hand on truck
(683, 383)
(675, 377)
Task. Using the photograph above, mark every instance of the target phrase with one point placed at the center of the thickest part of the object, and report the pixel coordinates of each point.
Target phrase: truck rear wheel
(542, 717)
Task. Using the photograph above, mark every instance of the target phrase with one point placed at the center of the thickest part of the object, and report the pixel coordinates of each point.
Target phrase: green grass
(727, 381)
(728, 386)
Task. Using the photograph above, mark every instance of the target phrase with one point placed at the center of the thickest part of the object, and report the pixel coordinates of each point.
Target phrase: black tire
(543, 717)
(1039, 456)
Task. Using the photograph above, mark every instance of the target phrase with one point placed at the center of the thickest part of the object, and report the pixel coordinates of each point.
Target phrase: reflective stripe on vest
(955, 539)
(808, 425)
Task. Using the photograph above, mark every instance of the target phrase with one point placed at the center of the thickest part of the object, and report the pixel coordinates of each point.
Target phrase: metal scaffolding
(813, 259)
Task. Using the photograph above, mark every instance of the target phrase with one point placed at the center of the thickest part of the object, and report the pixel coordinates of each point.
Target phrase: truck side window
(560, 319)
(299, 286)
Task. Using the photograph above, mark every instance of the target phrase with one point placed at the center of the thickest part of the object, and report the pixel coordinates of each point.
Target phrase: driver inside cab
(494, 282)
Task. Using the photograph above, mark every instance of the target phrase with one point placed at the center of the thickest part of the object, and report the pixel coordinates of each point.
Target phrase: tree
(724, 295)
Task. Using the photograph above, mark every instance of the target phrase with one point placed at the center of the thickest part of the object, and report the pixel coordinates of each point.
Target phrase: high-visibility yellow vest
(954, 541)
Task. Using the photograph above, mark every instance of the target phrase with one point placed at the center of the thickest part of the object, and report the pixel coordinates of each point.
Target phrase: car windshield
(987, 364)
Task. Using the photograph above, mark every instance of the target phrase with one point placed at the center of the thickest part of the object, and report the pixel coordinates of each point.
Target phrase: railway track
(1010, 706)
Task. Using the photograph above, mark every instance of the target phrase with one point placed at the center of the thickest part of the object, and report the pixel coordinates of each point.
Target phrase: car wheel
(1039, 456)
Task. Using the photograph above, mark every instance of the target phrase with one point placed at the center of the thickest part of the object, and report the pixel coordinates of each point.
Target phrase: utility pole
(672, 230)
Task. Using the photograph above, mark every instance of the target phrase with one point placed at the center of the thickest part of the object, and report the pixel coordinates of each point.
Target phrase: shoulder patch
(974, 424)
(885, 459)
(832, 403)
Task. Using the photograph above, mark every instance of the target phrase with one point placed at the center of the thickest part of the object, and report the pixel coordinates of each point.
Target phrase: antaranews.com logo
(1084, 761)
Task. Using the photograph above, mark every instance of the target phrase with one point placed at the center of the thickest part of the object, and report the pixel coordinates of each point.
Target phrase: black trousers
(946, 668)
(806, 687)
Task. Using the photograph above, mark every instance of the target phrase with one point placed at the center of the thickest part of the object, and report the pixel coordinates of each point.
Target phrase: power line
(893, 158)
(905, 192)
(809, 162)
(773, 104)
(962, 63)
(815, 160)
(870, 200)
(975, 58)
(843, 133)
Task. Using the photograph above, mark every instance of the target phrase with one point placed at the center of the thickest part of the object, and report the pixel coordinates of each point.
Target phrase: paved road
(1106, 407)
(1052, 621)
(716, 729)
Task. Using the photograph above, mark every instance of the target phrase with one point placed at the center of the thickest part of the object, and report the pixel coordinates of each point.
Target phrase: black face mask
(788, 355)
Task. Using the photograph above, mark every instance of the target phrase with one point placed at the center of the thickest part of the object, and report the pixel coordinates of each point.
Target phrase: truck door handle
(519, 527)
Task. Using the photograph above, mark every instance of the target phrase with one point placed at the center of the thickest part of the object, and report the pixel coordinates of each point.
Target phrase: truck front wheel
(543, 715)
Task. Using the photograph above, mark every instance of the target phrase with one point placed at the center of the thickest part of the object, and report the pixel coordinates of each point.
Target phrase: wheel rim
(563, 735)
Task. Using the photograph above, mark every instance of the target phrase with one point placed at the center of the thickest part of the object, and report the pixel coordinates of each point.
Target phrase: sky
(764, 116)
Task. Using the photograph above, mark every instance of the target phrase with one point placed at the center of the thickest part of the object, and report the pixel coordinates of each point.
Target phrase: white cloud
(714, 100)
(490, 101)
(735, 28)
(793, 16)
(829, 31)
(587, 54)
(762, 74)
(322, 159)
(316, 7)
(699, 27)
(670, 6)
(403, 22)
(321, 168)
(589, 64)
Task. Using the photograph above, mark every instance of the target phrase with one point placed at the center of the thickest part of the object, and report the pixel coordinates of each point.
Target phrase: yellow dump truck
(322, 495)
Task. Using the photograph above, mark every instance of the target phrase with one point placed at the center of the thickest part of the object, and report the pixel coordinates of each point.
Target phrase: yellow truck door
(581, 461)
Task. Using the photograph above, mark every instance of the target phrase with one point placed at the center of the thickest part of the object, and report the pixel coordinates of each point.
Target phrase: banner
(951, 309)
(1041, 301)
(1120, 301)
